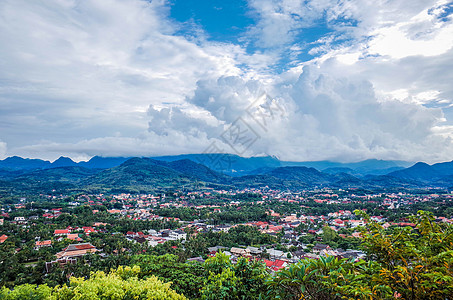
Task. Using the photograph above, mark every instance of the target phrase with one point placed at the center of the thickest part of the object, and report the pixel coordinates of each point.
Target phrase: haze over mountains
(215, 170)
(229, 164)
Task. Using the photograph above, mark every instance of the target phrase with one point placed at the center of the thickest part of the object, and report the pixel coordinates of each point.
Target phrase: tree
(243, 280)
(26, 292)
(404, 263)
(186, 278)
(416, 263)
(121, 283)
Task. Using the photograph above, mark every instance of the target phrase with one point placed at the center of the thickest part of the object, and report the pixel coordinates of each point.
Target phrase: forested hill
(147, 174)
(229, 164)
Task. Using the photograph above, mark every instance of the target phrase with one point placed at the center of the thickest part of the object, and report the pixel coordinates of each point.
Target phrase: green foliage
(122, 283)
(186, 278)
(404, 263)
(225, 280)
(26, 292)
(415, 262)
(221, 286)
(304, 279)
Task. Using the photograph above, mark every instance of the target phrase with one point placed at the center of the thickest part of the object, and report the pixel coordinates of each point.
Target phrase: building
(319, 247)
(224, 228)
(76, 250)
(178, 235)
(254, 251)
(59, 262)
(41, 244)
(20, 220)
(74, 237)
(276, 254)
(154, 240)
(59, 232)
(275, 265)
(240, 252)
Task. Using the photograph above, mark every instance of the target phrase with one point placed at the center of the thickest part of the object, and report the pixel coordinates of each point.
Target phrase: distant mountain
(362, 168)
(98, 162)
(229, 164)
(139, 172)
(296, 178)
(147, 174)
(309, 176)
(199, 171)
(420, 171)
(337, 170)
(68, 174)
(390, 182)
(371, 165)
(19, 163)
(46, 180)
(63, 162)
(445, 168)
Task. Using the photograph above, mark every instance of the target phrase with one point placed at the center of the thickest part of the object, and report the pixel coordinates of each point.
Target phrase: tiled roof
(43, 243)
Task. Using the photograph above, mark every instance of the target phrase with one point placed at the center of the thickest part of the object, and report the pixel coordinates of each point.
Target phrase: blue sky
(221, 20)
(233, 21)
(342, 80)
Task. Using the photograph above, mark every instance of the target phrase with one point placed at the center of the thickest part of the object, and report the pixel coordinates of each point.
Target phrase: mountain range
(214, 170)
(229, 164)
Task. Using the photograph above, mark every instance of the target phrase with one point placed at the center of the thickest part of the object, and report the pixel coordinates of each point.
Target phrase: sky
(341, 80)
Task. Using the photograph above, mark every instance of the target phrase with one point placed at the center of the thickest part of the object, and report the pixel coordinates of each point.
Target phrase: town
(44, 237)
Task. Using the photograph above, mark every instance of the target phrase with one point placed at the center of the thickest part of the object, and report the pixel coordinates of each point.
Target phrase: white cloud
(72, 70)
(110, 77)
(324, 117)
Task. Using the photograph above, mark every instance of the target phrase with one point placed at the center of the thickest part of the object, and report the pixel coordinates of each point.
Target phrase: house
(41, 244)
(275, 265)
(299, 254)
(76, 250)
(239, 251)
(140, 239)
(59, 232)
(178, 235)
(74, 237)
(165, 233)
(319, 247)
(353, 254)
(214, 250)
(154, 240)
(3, 238)
(20, 220)
(88, 230)
(357, 235)
(276, 253)
(99, 224)
(356, 223)
(197, 259)
(60, 262)
(131, 234)
(223, 228)
(254, 251)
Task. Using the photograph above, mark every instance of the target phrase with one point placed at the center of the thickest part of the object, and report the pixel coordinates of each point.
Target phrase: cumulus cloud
(113, 78)
(92, 68)
(318, 116)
